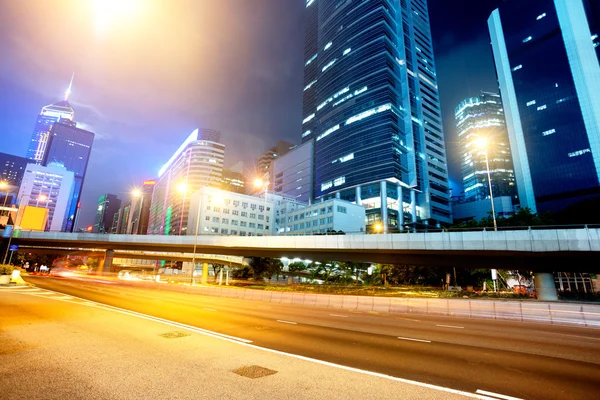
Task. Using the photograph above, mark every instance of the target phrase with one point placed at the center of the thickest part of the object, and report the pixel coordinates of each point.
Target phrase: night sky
(146, 77)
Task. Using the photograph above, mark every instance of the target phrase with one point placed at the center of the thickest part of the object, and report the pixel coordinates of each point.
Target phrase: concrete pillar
(545, 287)
(413, 205)
(204, 273)
(358, 196)
(106, 262)
(384, 210)
(400, 209)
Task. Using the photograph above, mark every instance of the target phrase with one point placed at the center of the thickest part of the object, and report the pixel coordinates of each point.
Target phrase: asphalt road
(522, 360)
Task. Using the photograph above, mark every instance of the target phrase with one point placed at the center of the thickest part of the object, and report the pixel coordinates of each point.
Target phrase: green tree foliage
(524, 217)
(297, 267)
(265, 267)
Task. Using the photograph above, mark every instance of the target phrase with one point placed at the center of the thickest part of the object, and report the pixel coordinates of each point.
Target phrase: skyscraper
(546, 55)
(12, 169)
(49, 115)
(264, 163)
(480, 118)
(197, 163)
(371, 105)
(108, 205)
(71, 147)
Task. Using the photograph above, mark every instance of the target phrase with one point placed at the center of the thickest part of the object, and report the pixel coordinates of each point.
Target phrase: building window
(530, 103)
(540, 108)
(226, 210)
(518, 67)
(234, 222)
(260, 226)
(207, 218)
(217, 209)
(540, 16)
(224, 231)
(253, 215)
(245, 205)
(315, 223)
(215, 219)
(548, 132)
(236, 203)
(243, 223)
(225, 221)
(341, 209)
(301, 225)
(235, 212)
(330, 209)
(234, 232)
(261, 216)
(527, 39)
(261, 208)
(253, 206)
(330, 220)
(251, 225)
(245, 214)
(322, 221)
(207, 208)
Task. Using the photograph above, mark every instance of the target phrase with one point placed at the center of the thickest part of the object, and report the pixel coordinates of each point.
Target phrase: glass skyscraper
(49, 115)
(482, 118)
(547, 61)
(371, 105)
(70, 147)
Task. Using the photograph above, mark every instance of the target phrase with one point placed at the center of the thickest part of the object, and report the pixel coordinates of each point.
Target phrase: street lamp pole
(489, 178)
(195, 243)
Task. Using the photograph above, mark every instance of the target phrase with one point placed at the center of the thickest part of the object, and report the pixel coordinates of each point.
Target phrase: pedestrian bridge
(531, 249)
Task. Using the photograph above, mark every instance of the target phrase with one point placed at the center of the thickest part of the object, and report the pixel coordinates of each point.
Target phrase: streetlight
(260, 183)
(378, 228)
(482, 144)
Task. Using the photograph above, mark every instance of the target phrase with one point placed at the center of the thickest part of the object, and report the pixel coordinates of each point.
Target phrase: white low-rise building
(327, 216)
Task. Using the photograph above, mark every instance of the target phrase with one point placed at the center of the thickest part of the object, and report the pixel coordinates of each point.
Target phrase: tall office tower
(264, 163)
(132, 217)
(108, 205)
(293, 173)
(48, 116)
(234, 180)
(371, 105)
(546, 58)
(71, 147)
(480, 121)
(50, 187)
(12, 169)
(196, 164)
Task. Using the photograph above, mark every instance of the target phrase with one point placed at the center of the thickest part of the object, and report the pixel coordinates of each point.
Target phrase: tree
(265, 267)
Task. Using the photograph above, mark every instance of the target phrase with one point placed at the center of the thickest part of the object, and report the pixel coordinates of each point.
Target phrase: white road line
(287, 322)
(414, 340)
(499, 396)
(451, 326)
(339, 315)
(248, 343)
(210, 309)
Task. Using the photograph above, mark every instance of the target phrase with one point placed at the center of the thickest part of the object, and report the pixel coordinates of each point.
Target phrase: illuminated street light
(136, 193)
(378, 228)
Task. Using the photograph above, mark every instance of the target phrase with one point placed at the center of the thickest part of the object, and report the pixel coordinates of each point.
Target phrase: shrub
(6, 269)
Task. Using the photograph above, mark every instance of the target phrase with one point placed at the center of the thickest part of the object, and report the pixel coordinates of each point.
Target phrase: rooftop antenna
(68, 92)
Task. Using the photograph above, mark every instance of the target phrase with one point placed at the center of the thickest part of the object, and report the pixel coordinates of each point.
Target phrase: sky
(148, 72)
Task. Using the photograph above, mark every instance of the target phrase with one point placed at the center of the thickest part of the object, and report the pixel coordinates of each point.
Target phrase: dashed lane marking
(496, 395)
(451, 326)
(287, 322)
(414, 340)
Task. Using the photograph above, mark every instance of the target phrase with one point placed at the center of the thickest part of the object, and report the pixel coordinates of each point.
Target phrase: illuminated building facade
(479, 118)
(71, 147)
(48, 116)
(293, 173)
(546, 54)
(264, 163)
(108, 206)
(371, 106)
(50, 187)
(12, 169)
(196, 164)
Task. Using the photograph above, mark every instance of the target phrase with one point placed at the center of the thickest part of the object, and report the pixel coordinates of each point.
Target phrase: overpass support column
(105, 263)
(204, 273)
(358, 199)
(400, 209)
(384, 209)
(545, 286)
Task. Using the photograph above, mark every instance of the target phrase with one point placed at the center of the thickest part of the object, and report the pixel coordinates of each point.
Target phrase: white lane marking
(414, 340)
(451, 326)
(210, 309)
(339, 315)
(248, 343)
(497, 395)
(195, 329)
(287, 322)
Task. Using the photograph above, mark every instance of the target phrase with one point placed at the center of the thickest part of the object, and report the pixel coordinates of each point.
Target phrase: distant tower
(49, 115)
(476, 118)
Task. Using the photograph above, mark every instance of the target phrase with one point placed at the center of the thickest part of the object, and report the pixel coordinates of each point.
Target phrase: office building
(480, 122)
(233, 179)
(546, 56)
(371, 105)
(293, 173)
(50, 114)
(464, 210)
(197, 163)
(264, 163)
(12, 169)
(108, 205)
(71, 147)
(51, 187)
(228, 213)
(333, 215)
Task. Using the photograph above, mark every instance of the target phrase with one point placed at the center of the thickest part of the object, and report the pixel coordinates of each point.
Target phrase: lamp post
(182, 189)
(482, 143)
(262, 183)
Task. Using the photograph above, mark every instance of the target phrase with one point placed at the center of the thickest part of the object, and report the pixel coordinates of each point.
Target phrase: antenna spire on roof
(68, 92)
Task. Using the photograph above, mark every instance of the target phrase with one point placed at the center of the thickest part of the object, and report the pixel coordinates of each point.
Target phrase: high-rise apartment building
(12, 169)
(546, 54)
(50, 114)
(196, 164)
(234, 180)
(480, 121)
(71, 147)
(108, 205)
(51, 187)
(371, 105)
(264, 163)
